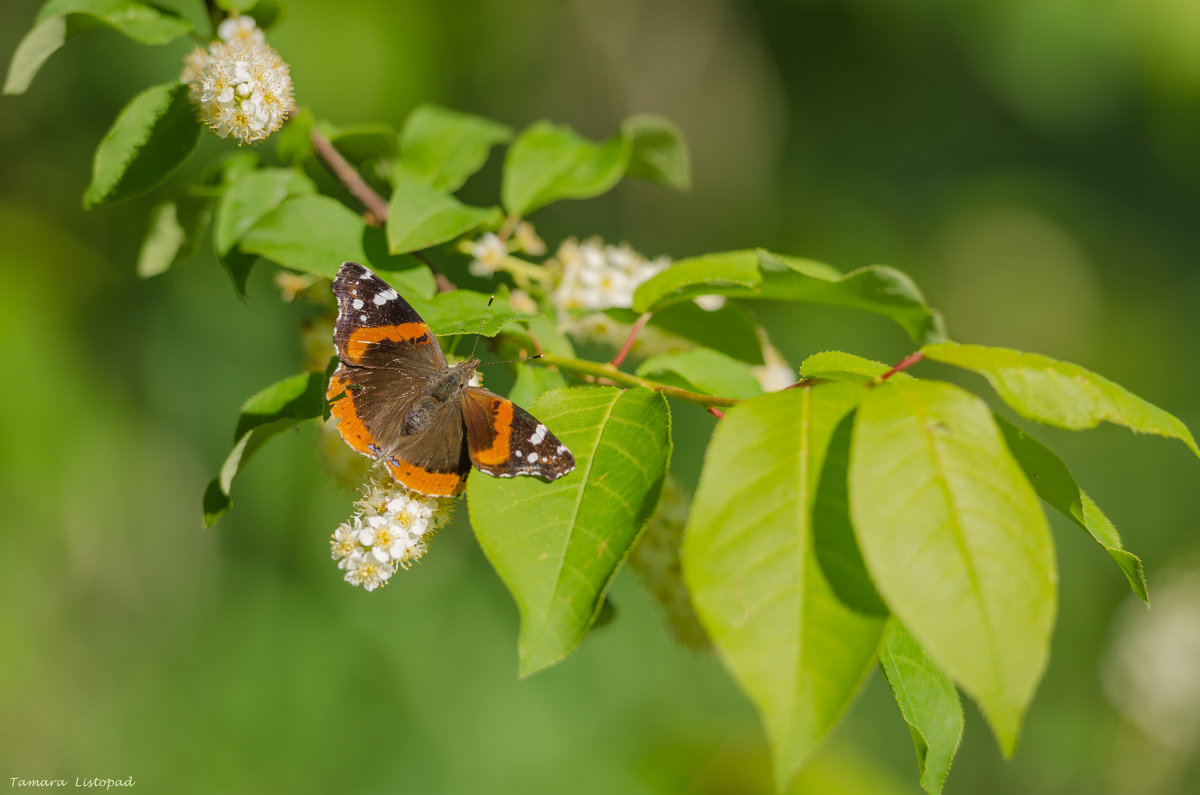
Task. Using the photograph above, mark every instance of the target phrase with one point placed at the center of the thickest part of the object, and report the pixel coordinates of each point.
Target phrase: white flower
(489, 252)
(391, 530)
(594, 276)
(528, 240)
(710, 303)
(241, 87)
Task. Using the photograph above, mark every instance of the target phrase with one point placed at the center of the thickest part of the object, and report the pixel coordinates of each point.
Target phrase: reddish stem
(716, 412)
(903, 364)
(638, 325)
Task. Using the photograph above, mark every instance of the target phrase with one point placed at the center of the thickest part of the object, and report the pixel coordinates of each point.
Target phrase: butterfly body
(396, 400)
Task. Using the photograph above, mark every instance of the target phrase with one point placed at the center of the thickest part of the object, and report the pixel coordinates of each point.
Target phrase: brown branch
(376, 206)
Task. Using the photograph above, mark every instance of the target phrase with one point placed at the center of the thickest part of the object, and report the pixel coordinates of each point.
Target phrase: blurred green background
(1034, 165)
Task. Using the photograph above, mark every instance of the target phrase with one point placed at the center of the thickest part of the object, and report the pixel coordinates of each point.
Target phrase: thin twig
(376, 205)
(716, 412)
(638, 325)
(607, 372)
(905, 363)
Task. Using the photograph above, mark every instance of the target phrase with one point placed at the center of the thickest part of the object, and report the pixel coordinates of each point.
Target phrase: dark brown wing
(376, 327)
(506, 440)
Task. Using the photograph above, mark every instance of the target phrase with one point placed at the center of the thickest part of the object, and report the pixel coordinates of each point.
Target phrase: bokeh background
(1034, 165)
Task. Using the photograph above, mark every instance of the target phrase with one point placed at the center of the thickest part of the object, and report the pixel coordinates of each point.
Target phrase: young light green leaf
(154, 134)
(61, 20)
(727, 273)
(844, 367)
(316, 234)
(549, 162)
(443, 147)
(420, 216)
(266, 414)
(1060, 393)
(798, 652)
(240, 6)
(955, 541)
(702, 370)
(459, 312)
(928, 702)
(164, 239)
(1055, 485)
(659, 153)
(558, 545)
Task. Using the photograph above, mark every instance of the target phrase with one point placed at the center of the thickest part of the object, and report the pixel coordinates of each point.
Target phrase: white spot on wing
(362, 318)
(379, 299)
(533, 457)
(358, 303)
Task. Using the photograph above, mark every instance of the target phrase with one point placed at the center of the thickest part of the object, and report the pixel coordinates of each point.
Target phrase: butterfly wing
(505, 440)
(376, 327)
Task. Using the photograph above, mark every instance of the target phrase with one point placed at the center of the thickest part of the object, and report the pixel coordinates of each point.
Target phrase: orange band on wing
(348, 423)
(433, 484)
(501, 448)
(363, 338)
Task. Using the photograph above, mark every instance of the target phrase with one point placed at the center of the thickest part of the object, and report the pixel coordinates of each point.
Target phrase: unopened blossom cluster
(596, 276)
(240, 86)
(390, 531)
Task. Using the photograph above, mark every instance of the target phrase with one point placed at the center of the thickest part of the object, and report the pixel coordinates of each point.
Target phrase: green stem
(627, 379)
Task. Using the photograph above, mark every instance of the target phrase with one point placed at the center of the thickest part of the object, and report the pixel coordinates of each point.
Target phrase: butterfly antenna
(481, 322)
(515, 361)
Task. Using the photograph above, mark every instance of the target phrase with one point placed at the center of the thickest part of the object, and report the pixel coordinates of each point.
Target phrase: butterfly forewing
(376, 327)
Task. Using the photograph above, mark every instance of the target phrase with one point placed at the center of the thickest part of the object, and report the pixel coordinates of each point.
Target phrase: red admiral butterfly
(402, 404)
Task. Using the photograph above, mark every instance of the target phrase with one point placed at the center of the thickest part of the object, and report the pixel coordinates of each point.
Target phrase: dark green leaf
(1060, 393)
(266, 414)
(444, 147)
(797, 651)
(316, 234)
(532, 381)
(731, 329)
(1054, 484)
(928, 702)
(420, 217)
(955, 541)
(659, 153)
(460, 312)
(703, 370)
(558, 545)
(60, 20)
(549, 162)
(242, 205)
(155, 133)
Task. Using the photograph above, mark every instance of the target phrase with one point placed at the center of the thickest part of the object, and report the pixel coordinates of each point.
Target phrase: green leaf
(293, 143)
(549, 162)
(732, 330)
(955, 541)
(798, 652)
(420, 217)
(61, 20)
(762, 275)
(532, 381)
(1060, 393)
(659, 153)
(240, 6)
(928, 702)
(443, 147)
(316, 234)
(155, 133)
(460, 312)
(250, 197)
(266, 414)
(1054, 484)
(702, 370)
(845, 367)
(164, 239)
(727, 273)
(558, 545)
(366, 142)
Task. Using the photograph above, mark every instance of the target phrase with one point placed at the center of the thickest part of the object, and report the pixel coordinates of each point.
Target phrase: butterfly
(396, 400)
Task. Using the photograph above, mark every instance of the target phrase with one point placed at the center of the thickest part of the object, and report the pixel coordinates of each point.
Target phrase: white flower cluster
(240, 85)
(596, 276)
(390, 531)
(488, 253)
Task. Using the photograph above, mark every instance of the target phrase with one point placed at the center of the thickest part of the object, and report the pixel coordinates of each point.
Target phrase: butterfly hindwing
(506, 440)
